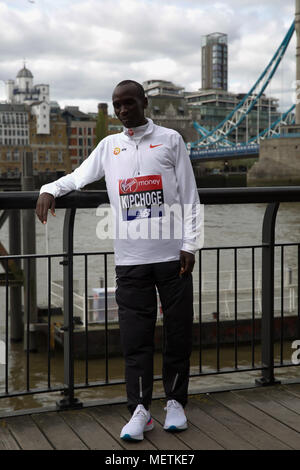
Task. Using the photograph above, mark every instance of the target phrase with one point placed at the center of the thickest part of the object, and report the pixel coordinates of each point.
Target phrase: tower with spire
(23, 91)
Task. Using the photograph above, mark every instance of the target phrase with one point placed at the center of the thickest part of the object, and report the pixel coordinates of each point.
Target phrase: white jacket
(144, 181)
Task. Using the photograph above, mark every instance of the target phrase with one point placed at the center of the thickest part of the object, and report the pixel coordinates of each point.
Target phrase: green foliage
(101, 126)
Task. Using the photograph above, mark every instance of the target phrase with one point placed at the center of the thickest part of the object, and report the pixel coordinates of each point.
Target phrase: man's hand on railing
(45, 202)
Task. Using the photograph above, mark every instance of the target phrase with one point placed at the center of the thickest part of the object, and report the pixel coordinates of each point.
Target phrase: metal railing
(92, 199)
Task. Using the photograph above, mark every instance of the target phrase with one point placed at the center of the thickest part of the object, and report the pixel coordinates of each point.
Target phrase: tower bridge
(225, 153)
(278, 145)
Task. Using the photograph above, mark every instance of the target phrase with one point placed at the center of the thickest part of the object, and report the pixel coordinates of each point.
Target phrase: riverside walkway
(264, 418)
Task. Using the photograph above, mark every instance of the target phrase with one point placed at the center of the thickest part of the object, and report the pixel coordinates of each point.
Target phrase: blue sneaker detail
(140, 422)
(127, 437)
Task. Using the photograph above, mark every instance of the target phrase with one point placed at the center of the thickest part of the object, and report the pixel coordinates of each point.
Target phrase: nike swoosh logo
(153, 146)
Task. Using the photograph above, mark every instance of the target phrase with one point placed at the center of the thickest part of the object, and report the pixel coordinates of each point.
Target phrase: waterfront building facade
(18, 134)
(30, 122)
(14, 137)
(81, 131)
(50, 151)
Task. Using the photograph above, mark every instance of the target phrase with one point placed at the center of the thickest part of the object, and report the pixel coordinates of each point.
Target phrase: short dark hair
(139, 87)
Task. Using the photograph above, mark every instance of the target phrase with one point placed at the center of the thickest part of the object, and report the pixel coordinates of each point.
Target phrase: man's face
(129, 106)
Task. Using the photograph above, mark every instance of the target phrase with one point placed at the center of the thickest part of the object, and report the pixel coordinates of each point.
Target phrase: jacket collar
(125, 135)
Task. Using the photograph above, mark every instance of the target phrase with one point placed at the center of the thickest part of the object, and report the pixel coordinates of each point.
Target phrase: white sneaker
(175, 419)
(140, 422)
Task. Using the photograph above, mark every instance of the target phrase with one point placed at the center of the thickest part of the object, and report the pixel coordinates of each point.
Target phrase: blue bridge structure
(219, 144)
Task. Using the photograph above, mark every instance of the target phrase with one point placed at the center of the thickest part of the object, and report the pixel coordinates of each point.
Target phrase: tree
(101, 126)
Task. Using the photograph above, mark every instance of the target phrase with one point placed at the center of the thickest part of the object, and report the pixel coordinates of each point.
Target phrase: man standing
(152, 191)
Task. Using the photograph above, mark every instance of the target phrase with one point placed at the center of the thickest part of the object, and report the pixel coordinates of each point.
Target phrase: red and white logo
(129, 185)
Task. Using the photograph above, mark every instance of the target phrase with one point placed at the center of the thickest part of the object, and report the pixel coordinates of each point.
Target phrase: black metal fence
(260, 335)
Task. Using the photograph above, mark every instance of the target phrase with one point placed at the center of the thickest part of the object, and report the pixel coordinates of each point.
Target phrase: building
(168, 107)
(18, 134)
(161, 88)
(23, 91)
(50, 151)
(14, 138)
(215, 61)
(210, 107)
(30, 122)
(81, 131)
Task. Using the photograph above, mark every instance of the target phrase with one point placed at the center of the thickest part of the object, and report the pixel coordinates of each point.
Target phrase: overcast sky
(83, 48)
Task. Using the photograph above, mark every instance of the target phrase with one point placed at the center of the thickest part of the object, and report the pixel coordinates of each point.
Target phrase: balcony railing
(263, 299)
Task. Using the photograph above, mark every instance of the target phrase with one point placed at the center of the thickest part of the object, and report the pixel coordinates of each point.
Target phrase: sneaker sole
(176, 428)
(127, 437)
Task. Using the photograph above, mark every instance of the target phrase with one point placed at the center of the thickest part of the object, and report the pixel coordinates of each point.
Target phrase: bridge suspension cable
(286, 118)
(245, 106)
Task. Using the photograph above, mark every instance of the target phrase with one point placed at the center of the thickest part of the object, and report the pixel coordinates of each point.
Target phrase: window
(60, 156)
(16, 155)
(8, 155)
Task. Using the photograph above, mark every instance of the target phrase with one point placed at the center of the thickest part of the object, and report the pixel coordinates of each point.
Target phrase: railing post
(29, 247)
(69, 401)
(267, 319)
(16, 320)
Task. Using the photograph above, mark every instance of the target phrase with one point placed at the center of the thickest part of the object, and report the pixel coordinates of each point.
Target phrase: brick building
(50, 151)
(30, 122)
(81, 131)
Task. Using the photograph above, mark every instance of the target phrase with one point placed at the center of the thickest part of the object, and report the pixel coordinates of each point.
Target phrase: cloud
(82, 49)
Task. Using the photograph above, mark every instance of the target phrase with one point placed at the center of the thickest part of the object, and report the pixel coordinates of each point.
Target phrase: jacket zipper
(137, 159)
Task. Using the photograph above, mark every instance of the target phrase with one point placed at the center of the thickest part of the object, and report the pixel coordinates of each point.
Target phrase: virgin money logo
(129, 185)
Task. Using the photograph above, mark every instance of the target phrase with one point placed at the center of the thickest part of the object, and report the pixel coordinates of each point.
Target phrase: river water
(225, 225)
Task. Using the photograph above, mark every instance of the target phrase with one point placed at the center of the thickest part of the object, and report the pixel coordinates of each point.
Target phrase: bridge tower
(297, 27)
(279, 158)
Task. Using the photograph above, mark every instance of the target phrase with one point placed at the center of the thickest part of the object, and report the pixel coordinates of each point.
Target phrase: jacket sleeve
(90, 170)
(193, 211)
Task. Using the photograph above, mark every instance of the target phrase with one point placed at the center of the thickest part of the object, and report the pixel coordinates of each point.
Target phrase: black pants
(137, 301)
